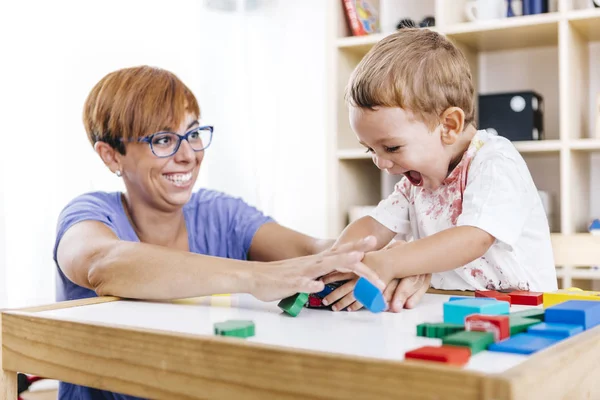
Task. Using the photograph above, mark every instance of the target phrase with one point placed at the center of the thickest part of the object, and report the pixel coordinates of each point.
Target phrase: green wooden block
(520, 324)
(431, 331)
(536, 313)
(293, 304)
(237, 328)
(476, 341)
(438, 330)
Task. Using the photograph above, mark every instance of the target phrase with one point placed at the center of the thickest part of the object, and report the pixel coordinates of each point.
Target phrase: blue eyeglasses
(165, 144)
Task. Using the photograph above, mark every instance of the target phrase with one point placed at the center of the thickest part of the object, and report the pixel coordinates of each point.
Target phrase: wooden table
(167, 350)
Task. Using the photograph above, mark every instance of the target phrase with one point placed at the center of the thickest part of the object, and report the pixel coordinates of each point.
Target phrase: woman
(158, 240)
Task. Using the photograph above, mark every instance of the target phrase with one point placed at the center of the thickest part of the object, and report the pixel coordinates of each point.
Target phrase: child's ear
(453, 123)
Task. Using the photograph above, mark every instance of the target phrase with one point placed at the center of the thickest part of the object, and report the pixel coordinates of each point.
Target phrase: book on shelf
(362, 16)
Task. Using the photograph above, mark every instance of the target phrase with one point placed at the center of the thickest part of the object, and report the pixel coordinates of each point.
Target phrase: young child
(466, 203)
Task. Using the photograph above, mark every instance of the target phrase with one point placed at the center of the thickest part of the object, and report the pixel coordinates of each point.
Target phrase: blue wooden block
(328, 289)
(454, 298)
(523, 343)
(456, 311)
(576, 312)
(369, 296)
(555, 330)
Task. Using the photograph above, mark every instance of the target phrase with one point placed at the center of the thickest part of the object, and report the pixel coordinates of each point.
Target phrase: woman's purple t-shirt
(217, 224)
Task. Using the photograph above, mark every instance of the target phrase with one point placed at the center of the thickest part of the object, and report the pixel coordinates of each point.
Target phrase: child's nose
(382, 163)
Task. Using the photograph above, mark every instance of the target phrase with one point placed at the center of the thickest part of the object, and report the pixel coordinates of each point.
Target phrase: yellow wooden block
(191, 300)
(220, 301)
(552, 298)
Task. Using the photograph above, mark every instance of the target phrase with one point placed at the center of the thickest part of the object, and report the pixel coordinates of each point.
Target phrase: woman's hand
(279, 279)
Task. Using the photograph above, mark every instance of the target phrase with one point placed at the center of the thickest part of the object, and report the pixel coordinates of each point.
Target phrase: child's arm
(443, 251)
(363, 227)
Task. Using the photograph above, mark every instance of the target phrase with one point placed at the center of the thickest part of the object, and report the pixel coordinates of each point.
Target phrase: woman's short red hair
(134, 102)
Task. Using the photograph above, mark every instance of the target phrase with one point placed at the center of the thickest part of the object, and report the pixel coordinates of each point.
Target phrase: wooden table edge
(47, 346)
(545, 369)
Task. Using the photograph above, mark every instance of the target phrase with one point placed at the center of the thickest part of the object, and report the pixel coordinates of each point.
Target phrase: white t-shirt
(491, 189)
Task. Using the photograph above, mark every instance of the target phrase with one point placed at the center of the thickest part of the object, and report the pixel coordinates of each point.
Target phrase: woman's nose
(185, 153)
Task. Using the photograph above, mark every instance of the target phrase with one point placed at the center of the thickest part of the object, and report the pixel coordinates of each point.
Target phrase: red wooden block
(499, 325)
(492, 293)
(527, 298)
(446, 354)
(314, 301)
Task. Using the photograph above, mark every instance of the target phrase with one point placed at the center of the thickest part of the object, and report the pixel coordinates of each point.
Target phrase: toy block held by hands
(293, 305)
(369, 296)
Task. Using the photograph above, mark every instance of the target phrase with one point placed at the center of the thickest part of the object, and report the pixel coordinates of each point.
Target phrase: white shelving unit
(556, 54)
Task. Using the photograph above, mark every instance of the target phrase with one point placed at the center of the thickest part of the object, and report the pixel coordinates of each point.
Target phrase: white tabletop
(383, 336)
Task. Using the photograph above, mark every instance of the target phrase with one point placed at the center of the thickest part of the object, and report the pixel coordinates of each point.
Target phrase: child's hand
(343, 297)
(399, 293)
(406, 292)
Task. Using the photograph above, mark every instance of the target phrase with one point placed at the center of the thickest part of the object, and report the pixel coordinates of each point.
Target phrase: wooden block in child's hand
(315, 302)
(236, 328)
(293, 305)
(329, 288)
(369, 296)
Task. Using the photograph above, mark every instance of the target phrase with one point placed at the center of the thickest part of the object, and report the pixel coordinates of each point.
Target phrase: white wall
(259, 79)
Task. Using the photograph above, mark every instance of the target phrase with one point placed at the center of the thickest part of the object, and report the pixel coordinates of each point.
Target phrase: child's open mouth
(414, 177)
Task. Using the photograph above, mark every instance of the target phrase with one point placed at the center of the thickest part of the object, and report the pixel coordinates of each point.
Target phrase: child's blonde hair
(415, 69)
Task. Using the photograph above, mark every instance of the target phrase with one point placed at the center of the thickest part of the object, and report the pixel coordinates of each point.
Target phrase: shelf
(502, 34)
(587, 22)
(353, 154)
(585, 144)
(507, 34)
(538, 146)
(359, 44)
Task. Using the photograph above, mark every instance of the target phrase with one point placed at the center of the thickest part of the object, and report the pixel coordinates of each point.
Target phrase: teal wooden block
(456, 311)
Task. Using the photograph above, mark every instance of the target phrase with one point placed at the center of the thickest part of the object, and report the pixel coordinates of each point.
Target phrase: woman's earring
(118, 173)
